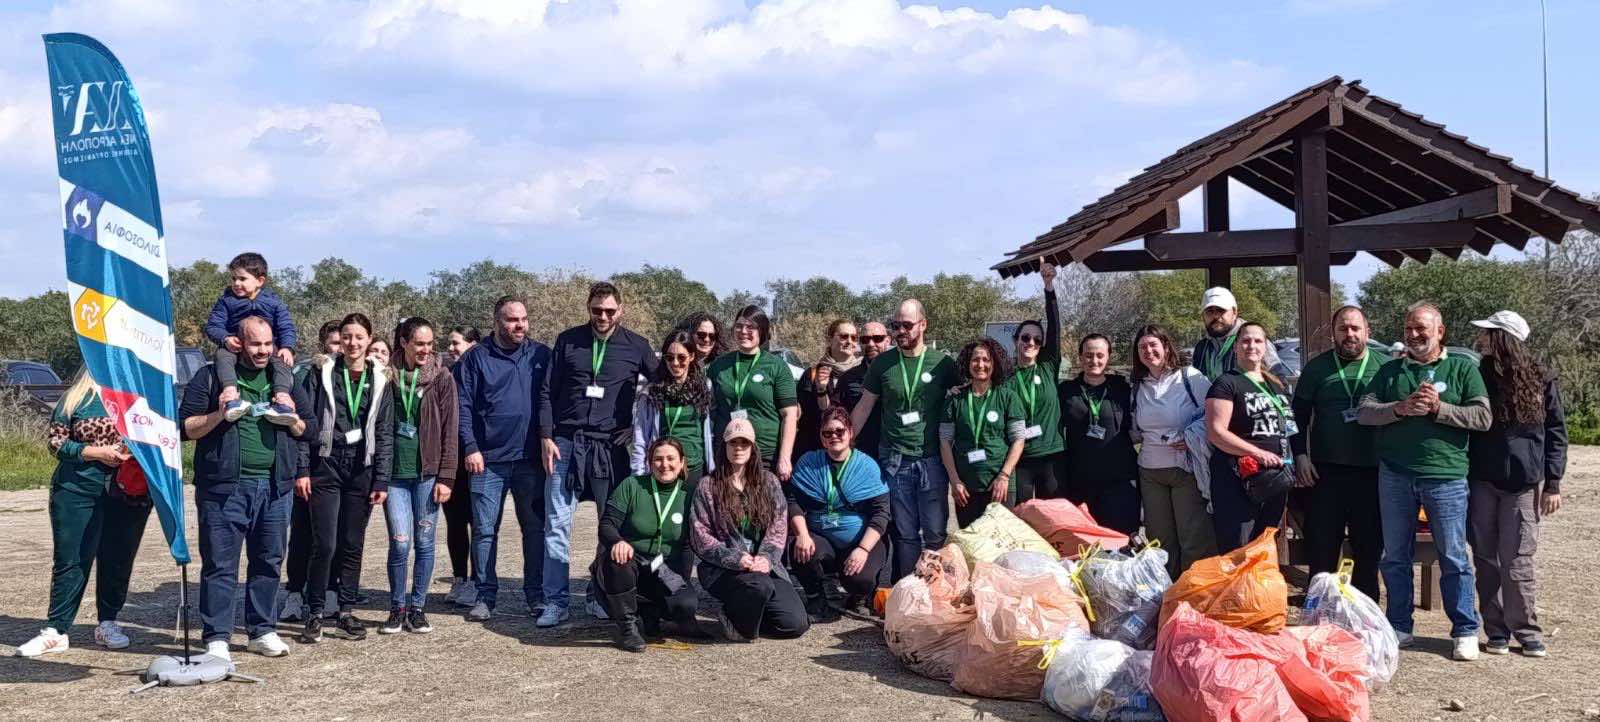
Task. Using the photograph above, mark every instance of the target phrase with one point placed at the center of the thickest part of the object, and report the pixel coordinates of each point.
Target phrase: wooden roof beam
(1231, 245)
(1491, 201)
(1125, 261)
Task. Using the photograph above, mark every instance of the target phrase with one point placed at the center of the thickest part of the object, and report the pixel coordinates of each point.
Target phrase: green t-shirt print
(911, 420)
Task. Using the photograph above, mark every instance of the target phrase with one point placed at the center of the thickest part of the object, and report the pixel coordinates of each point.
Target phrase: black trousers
(1345, 498)
(339, 506)
(1035, 479)
(762, 605)
(458, 522)
(299, 555)
(829, 562)
(1116, 504)
(653, 598)
(978, 502)
(1236, 517)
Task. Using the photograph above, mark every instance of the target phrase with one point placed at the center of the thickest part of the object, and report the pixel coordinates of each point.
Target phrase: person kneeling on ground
(646, 568)
(739, 533)
(838, 493)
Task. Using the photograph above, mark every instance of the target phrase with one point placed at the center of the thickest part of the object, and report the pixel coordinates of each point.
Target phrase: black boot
(624, 612)
(650, 626)
(313, 630)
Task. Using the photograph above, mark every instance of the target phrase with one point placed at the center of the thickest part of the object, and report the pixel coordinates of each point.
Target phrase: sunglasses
(704, 336)
(902, 325)
(1029, 338)
(605, 312)
(834, 433)
(875, 338)
(681, 358)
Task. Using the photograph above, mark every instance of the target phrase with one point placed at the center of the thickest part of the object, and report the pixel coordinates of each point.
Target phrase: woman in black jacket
(1515, 471)
(1099, 466)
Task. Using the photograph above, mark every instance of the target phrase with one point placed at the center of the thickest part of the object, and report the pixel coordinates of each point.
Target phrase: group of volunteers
(791, 500)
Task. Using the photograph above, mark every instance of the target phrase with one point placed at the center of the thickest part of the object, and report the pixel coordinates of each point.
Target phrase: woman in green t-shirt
(981, 432)
(645, 572)
(751, 383)
(1034, 384)
(676, 404)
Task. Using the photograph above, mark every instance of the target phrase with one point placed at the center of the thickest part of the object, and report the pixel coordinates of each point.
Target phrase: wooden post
(1311, 218)
(1215, 195)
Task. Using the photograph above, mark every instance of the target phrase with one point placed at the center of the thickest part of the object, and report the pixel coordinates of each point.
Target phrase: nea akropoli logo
(97, 120)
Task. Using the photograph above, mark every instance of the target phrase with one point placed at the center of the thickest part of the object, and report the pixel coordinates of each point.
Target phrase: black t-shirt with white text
(1256, 417)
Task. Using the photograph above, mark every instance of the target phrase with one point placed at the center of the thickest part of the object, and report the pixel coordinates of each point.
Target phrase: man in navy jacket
(498, 382)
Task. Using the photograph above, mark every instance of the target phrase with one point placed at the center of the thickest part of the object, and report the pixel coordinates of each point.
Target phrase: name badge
(1350, 416)
(1290, 428)
(927, 377)
(1096, 431)
(977, 455)
(594, 392)
(352, 437)
(677, 518)
(409, 431)
(758, 378)
(656, 562)
(260, 409)
(1033, 432)
(738, 414)
(910, 417)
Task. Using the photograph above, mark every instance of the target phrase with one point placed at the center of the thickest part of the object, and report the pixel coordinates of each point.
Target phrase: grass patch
(25, 463)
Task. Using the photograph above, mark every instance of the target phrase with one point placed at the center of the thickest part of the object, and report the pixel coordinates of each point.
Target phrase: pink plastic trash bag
(1207, 671)
(1068, 527)
(1016, 615)
(926, 619)
(1326, 673)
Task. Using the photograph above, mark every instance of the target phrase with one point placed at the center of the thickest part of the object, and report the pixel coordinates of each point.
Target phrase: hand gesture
(822, 375)
(1047, 271)
(111, 455)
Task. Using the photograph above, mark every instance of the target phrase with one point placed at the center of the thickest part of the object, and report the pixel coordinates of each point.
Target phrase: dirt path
(507, 668)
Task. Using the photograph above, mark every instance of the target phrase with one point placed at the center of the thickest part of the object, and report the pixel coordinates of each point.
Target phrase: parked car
(1290, 361)
(190, 360)
(35, 379)
(797, 366)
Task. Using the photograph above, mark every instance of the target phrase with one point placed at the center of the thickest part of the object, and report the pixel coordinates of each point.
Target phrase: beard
(1420, 348)
(1219, 328)
(1350, 350)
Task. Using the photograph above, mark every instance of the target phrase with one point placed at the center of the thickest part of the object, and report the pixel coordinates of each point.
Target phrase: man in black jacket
(244, 476)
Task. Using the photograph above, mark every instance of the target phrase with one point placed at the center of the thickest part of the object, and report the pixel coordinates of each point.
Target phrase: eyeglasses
(902, 325)
(705, 336)
(834, 433)
(679, 358)
(745, 326)
(845, 336)
(605, 312)
(876, 338)
(1028, 338)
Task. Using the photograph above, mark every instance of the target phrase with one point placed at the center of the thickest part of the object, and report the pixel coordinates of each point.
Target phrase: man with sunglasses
(874, 341)
(586, 421)
(911, 382)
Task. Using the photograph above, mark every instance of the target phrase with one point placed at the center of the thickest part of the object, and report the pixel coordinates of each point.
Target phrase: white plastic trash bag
(1100, 680)
(1034, 564)
(1125, 593)
(1332, 600)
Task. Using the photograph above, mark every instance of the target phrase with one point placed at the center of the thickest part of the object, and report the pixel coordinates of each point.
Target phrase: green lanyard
(408, 396)
(1094, 403)
(352, 397)
(259, 391)
(911, 381)
(673, 413)
(662, 512)
(1283, 414)
(1361, 372)
(976, 422)
(833, 490)
(597, 357)
(1214, 361)
(1029, 390)
(743, 381)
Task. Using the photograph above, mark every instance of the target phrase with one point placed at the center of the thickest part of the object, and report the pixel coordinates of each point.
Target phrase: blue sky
(742, 141)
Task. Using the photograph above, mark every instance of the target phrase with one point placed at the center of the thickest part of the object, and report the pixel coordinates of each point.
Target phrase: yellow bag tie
(1346, 568)
(1084, 557)
(1049, 649)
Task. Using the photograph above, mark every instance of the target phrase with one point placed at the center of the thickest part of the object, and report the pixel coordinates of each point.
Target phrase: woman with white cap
(739, 530)
(1515, 471)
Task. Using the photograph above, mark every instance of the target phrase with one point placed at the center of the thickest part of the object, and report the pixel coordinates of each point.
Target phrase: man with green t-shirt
(910, 382)
(1337, 469)
(1425, 405)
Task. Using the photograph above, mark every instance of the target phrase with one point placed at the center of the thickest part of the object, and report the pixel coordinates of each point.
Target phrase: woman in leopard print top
(91, 520)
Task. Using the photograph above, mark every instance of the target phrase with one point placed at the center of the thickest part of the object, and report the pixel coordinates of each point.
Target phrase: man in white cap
(1515, 468)
(1213, 354)
(1426, 407)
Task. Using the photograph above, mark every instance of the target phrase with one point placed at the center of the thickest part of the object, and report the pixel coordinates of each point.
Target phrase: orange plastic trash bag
(1206, 671)
(1326, 673)
(927, 614)
(1068, 527)
(1242, 589)
(1017, 616)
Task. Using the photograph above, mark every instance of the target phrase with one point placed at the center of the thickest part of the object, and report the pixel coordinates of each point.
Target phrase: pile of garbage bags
(1110, 637)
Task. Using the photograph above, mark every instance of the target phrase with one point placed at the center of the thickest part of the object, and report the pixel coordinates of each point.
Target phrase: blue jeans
(1399, 495)
(411, 512)
(919, 499)
(253, 513)
(589, 462)
(524, 480)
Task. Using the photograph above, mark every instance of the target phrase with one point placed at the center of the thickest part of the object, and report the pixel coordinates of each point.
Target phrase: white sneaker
(219, 649)
(110, 636)
(1406, 639)
(1466, 649)
(268, 645)
(49, 641)
(235, 410)
(294, 608)
(596, 609)
(553, 616)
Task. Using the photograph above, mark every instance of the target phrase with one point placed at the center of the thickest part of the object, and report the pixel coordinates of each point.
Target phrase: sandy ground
(507, 668)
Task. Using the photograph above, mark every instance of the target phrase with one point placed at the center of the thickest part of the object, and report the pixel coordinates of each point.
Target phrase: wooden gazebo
(1360, 173)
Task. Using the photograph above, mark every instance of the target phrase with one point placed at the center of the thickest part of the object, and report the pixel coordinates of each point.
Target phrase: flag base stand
(188, 670)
